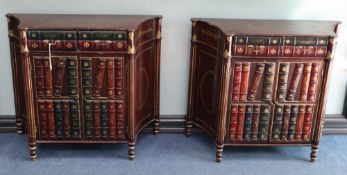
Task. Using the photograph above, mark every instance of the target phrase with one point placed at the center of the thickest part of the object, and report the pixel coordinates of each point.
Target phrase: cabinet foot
(131, 151)
(189, 126)
(156, 126)
(20, 127)
(32, 148)
(314, 152)
(219, 153)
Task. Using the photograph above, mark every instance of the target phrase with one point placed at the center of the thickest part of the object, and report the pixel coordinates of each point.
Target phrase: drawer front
(280, 46)
(102, 40)
(104, 119)
(56, 77)
(59, 119)
(103, 77)
(59, 40)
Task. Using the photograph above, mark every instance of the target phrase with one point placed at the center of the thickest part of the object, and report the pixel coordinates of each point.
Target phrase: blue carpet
(170, 154)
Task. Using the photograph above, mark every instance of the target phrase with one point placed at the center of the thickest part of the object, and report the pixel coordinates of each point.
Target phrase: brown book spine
(233, 122)
(99, 76)
(259, 70)
(312, 87)
(305, 82)
(299, 123)
(269, 74)
(112, 119)
(282, 81)
(237, 81)
(47, 76)
(120, 119)
(66, 114)
(110, 76)
(50, 118)
(240, 122)
(42, 118)
(285, 123)
(307, 123)
(119, 77)
(255, 122)
(244, 81)
(60, 76)
(295, 81)
(96, 111)
(39, 76)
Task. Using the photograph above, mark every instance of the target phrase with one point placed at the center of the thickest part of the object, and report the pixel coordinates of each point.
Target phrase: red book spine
(299, 123)
(294, 82)
(43, 118)
(39, 76)
(119, 77)
(244, 81)
(112, 119)
(60, 76)
(96, 111)
(255, 122)
(110, 76)
(240, 122)
(50, 118)
(237, 81)
(99, 76)
(233, 122)
(66, 114)
(305, 82)
(120, 119)
(253, 88)
(307, 123)
(285, 123)
(47, 76)
(312, 87)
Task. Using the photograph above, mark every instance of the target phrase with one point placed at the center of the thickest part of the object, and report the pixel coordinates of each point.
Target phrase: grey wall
(176, 36)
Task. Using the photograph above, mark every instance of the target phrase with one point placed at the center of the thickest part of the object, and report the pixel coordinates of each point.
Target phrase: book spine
(299, 123)
(120, 119)
(259, 70)
(277, 123)
(233, 122)
(119, 77)
(50, 118)
(295, 81)
(99, 76)
(75, 120)
(264, 122)
(282, 81)
(292, 122)
(58, 84)
(248, 123)
(96, 113)
(47, 77)
(88, 119)
(240, 122)
(110, 77)
(72, 76)
(244, 81)
(104, 119)
(237, 81)
(112, 119)
(58, 119)
(42, 118)
(285, 124)
(307, 123)
(66, 114)
(305, 82)
(269, 74)
(312, 87)
(255, 122)
(86, 76)
(39, 76)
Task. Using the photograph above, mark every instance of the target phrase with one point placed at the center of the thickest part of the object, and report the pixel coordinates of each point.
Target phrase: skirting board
(334, 124)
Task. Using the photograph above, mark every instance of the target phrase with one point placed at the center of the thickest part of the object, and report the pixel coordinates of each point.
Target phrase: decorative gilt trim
(227, 54)
(131, 47)
(158, 34)
(333, 40)
(11, 33)
(194, 38)
(23, 46)
(193, 23)
(329, 55)
(131, 50)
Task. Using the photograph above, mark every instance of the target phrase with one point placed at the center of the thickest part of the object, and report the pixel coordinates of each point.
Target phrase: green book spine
(248, 123)
(292, 122)
(75, 120)
(87, 76)
(264, 122)
(88, 119)
(277, 123)
(72, 75)
(58, 119)
(104, 119)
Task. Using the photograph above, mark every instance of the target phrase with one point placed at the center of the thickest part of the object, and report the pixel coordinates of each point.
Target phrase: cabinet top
(273, 27)
(80, 21)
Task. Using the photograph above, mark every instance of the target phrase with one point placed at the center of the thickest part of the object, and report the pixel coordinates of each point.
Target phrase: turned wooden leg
(156, 126)
(189, 126)
(219, 153)
(32, 148)
(20, 127)
(314, 152)
(131, 151)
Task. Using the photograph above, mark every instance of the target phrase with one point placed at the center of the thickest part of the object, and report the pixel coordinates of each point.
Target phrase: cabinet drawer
(102, 40)
(39, 40)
